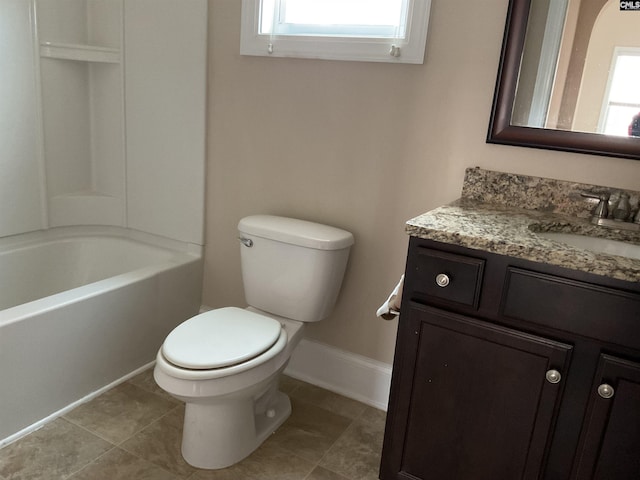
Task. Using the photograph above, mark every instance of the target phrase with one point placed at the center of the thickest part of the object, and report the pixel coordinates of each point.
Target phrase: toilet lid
(220, 338)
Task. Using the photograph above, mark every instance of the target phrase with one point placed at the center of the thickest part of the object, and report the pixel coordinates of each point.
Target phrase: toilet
(225, 363)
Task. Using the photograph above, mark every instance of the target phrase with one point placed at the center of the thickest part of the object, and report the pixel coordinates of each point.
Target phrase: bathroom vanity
(518, 356)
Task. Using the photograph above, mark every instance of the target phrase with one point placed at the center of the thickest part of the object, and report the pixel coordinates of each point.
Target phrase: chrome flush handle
(247, 242)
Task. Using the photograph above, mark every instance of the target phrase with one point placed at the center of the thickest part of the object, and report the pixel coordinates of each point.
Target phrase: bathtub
(81, 309)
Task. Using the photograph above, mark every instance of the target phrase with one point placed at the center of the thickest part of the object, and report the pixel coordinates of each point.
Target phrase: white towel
(391, 308)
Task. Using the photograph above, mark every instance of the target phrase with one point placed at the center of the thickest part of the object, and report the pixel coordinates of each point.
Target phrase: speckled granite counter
(493, 227)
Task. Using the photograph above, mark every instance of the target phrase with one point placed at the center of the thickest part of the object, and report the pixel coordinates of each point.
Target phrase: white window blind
(361, 30)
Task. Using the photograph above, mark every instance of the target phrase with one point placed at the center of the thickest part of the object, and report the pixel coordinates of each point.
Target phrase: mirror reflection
(580, 68)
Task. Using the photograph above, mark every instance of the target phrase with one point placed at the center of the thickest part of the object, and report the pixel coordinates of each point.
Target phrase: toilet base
(221, 434)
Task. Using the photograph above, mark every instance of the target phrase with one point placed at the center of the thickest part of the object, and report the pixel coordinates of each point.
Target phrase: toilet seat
(220, 338)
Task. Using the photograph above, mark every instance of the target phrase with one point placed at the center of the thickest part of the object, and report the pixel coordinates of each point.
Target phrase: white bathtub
(82, 308)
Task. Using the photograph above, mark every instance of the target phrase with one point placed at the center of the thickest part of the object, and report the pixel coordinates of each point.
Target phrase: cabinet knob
(606, 390)
(442, 280)
(553, 376)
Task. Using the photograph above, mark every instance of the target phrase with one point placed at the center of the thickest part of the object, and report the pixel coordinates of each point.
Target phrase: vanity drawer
(573, 306)
(447, 276)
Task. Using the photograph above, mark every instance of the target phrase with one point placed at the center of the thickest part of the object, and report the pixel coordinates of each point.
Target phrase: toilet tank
(292, 268)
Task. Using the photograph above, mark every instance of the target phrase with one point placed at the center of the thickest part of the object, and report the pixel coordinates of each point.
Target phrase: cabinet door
(610, 441)
(481, 402)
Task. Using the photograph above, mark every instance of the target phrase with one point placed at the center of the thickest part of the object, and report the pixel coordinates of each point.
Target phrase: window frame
(409, 49)
(607, 103)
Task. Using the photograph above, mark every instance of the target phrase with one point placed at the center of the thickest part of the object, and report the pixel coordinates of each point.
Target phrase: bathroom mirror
(568, 78)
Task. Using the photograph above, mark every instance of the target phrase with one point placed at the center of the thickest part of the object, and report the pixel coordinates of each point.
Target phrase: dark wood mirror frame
(500, 128)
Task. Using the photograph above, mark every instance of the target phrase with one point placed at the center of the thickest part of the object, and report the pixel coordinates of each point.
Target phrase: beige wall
(362, 146)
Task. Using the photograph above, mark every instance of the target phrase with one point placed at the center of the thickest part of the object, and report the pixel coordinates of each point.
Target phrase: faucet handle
(602, 210)
(603, 196)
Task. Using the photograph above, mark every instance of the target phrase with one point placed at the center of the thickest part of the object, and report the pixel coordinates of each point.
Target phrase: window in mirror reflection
(623, 96)
(566, 80)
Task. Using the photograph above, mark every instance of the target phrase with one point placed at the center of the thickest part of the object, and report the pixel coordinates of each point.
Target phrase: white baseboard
(348, 374)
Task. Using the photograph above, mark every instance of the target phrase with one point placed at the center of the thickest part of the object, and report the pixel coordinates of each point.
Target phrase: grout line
(132, 434)
(308, 475)
(136, 455)
(153, 421)
(89, 431)
(142, 430)
(148, 426)
(95, 434)
(91, 462)
(351, 423)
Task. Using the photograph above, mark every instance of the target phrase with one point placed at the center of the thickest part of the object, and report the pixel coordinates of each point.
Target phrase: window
(623, 95)
(362, 30)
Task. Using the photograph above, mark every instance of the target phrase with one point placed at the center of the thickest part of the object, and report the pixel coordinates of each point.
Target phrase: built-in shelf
(78, 52)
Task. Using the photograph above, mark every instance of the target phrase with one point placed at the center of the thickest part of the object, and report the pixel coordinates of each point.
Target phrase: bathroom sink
(595, 244)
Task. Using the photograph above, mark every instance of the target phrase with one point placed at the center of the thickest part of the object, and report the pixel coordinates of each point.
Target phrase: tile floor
(133, 432)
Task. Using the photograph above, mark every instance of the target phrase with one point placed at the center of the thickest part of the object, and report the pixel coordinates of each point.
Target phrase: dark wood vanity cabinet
(610, 443)
(479, 406)
(507, 369)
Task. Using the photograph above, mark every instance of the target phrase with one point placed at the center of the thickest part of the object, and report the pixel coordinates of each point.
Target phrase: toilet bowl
(230, 410)
(225, 363)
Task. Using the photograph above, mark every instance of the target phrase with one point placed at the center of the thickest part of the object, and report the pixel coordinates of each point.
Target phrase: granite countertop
(511, 231)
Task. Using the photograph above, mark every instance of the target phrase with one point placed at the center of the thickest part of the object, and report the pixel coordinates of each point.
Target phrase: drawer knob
(553, 376)
(606, 391)
(442, 280)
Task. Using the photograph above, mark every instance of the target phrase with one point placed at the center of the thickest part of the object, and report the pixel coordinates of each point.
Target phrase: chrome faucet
(622, 217)
(602, 210)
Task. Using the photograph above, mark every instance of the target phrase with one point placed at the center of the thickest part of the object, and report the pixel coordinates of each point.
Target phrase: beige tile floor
(133, 432)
